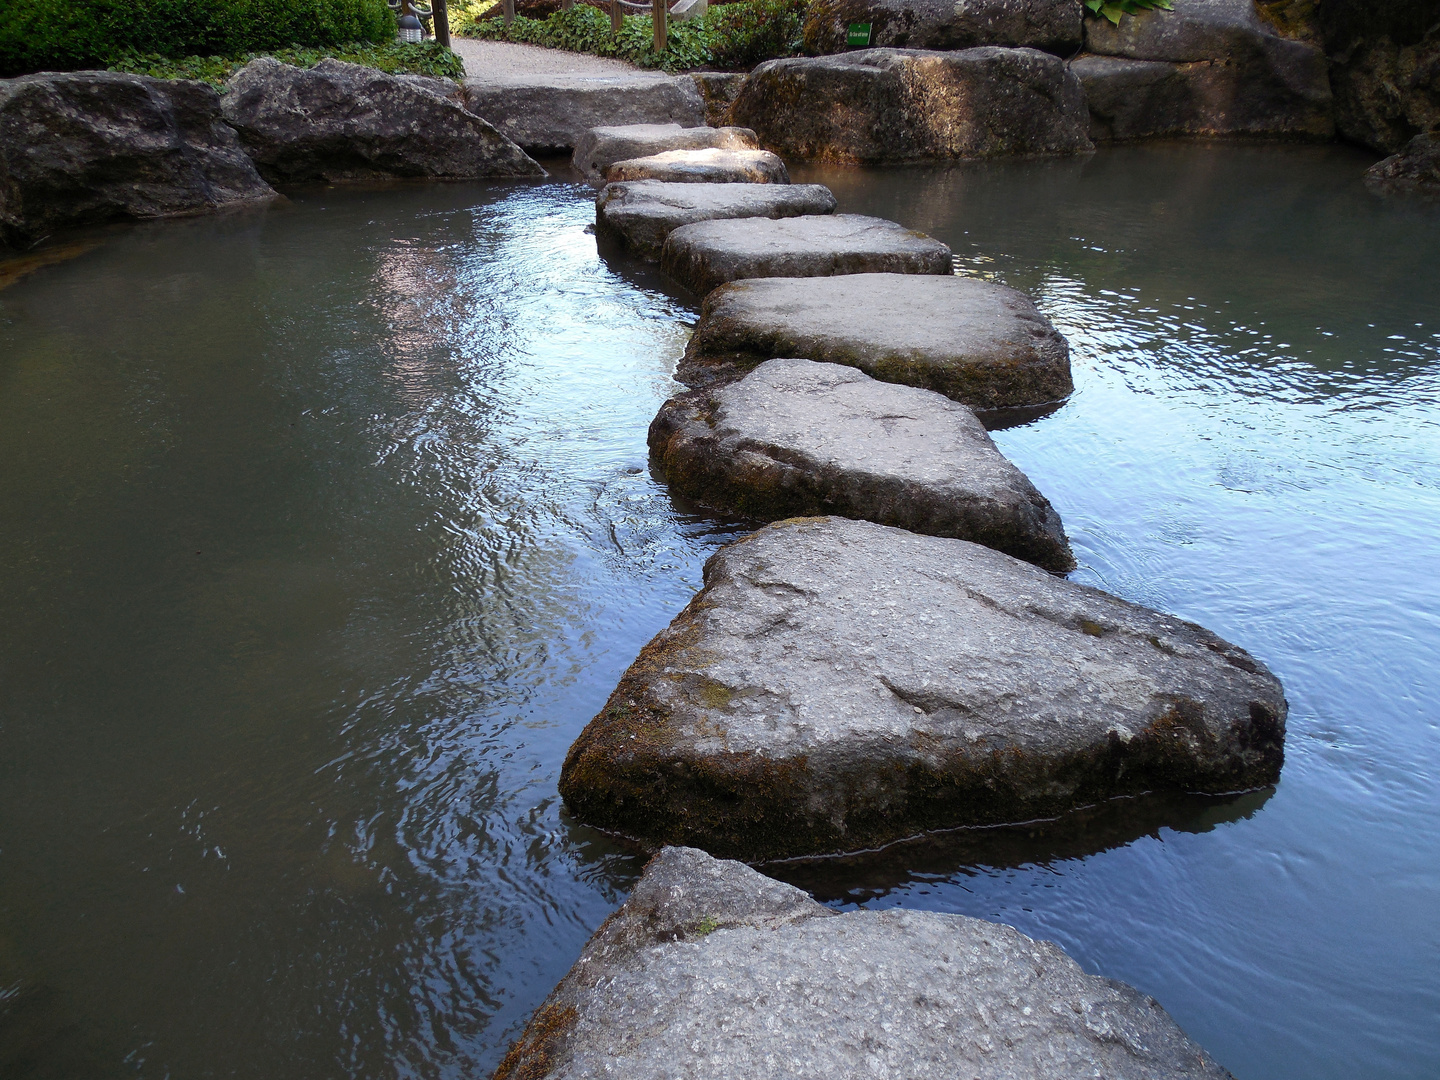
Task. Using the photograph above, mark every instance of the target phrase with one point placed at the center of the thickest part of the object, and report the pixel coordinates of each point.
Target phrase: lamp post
(410, 29)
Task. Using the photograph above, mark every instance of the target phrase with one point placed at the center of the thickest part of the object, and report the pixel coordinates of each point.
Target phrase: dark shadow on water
(856, 878)
(642, 273)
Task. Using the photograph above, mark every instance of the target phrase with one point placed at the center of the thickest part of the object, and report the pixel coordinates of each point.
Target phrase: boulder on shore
(550, 114)
(702, 167)
(1413, 171)
(339, 121)
(710, 253)
(601, 147)
(977, 342)
(797, 438)
(881, 105)
(82, 147)
(642, 214)
(719, 89)
(838, 685)
(1053, 26)
(712, 971)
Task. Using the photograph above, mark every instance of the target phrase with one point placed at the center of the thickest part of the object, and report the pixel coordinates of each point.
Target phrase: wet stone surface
(702, 167)
(642, 213)
(601, 147)
(795, 437)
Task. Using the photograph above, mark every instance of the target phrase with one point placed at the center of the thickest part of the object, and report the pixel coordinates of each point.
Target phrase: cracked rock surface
(642, 213)
(601, 147)
(712, 166)
(711, 969)
(795, 437)
(980, 343)
(839, 684)
(710, 253)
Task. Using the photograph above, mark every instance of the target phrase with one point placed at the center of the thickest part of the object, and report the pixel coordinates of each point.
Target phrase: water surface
(325, 529)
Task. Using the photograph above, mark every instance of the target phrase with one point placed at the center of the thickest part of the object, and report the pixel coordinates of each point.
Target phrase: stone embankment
(712, 970)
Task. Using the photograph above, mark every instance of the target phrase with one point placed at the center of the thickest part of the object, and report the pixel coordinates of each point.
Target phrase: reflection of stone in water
(42, 1039)
(12, 270)
(865, 875)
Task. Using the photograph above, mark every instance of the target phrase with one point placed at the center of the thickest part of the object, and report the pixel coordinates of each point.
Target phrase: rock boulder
(712, 970)
(795, 437)
(1413, 171)
(974, 341)
(86, 146)
(1051, 25)
(640, 215)
(339, 121)
(719, 89)
(601, 147)
(710, 253)
(881, 105)
(1385, 67)
(702, 167)
(838, 685)
(549, 114)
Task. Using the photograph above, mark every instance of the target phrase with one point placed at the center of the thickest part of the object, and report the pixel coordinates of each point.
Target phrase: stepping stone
(712, 971)
(643, 213)
(710, 253)
(977, 342)
(549, 114)
(795, 437)
(839, 685)
(703, 167)
(601, 147)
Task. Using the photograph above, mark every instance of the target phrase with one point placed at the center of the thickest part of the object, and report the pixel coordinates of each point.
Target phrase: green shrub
(64, 35)
(1113, 9)
(423, 58)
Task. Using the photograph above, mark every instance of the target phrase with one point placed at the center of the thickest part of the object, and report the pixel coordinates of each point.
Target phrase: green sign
(858, 35)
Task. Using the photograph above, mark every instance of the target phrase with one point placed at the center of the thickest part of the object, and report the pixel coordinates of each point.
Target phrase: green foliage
(733, 36)
(65, 35)
(1113, 9)
(424, 58)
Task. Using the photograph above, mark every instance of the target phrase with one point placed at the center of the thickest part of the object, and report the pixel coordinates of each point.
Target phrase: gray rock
(719, 89)
(1139, 99)
(87, 146)
(1195, 30)
(839, 684)
(339, 121)
(702, 167)
(603, 146)
(548, 114)
(977, 342)
(1385, 68)
(1051, 25)
(880, 105)
(712, 970)
(710, 253)
(642, 214)
(1413, 171)
(796, 438)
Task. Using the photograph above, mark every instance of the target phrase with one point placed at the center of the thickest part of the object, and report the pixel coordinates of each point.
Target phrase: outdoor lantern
(410, 29)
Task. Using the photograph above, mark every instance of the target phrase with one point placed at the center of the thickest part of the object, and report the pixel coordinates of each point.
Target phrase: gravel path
(504, 58)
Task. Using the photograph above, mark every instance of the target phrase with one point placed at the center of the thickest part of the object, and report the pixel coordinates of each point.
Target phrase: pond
(324, 530)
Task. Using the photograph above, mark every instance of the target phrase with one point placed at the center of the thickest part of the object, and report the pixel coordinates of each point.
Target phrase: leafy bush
(424, 58)
(1113, 9)
(65, 35)
(733, 36)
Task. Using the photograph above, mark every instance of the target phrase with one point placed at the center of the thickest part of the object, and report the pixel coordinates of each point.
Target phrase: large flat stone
(797, 438)
(980, 343)
(549, 114)
(87, 146)
(1141, 99)
(339, 121)
(601, 147)
(643, 213)
(838, 685)
(1051, 25)
(712, 970)
(710, 253)
(703, 167)
(881, 105)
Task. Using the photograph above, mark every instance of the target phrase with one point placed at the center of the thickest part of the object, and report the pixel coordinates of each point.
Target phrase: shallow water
(325, 529)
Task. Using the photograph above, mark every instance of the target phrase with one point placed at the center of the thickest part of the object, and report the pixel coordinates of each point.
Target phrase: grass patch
(424, 58)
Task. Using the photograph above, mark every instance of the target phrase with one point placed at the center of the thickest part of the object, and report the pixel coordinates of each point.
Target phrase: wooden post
(617, 17)
(507, 8)
(441, 16)
(660, 13)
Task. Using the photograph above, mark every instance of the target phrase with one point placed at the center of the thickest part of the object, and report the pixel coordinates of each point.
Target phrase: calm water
(325, 529)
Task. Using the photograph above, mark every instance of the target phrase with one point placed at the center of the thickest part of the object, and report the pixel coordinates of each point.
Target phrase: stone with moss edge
(795, 437)
(838, 685)
(980, 343)
(712, 970)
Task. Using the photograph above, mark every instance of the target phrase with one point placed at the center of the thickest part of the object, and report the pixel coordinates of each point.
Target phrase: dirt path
(504, 58)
